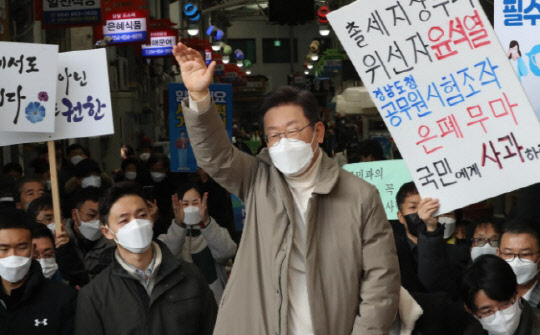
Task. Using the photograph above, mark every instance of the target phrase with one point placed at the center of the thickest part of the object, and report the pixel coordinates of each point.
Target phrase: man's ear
(467, 309)
(106, 232)
(400, 217)
(319, 127)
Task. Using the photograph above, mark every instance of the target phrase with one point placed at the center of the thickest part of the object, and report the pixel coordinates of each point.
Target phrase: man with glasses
(317, 253)
(486, 237)
(520, 247)
(490, 295)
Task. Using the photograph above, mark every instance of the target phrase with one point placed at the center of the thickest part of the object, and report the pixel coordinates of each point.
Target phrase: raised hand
(203, 210)
(178, 210)
(426, 209)
(197, 77)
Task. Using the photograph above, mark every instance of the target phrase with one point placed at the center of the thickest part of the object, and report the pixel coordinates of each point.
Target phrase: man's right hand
(196, 76)
(426, 209)
(178, 210)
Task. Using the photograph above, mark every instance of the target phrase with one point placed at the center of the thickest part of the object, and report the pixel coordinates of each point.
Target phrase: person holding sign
(317, 253)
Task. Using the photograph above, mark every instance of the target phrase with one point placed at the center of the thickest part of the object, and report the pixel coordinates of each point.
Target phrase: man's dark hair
(112, 195)
(11, 218)
(405, 190)
(86, 194)
(494, 222)
(40, 230)
(491, 274)
(521, 226)
(86, 167)
(40, 166)
(128, 161)
(76, 146)
(182, 189)
(24, 181)
(127, 150)
(288, 95)
(371, 147)
(156, 158)
(7, 186)
(12, 166)
(37, 205)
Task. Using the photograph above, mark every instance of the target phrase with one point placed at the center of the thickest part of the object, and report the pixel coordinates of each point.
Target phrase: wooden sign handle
(54, 187)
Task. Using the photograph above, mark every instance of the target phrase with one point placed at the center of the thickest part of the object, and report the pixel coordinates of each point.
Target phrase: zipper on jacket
(280, 294)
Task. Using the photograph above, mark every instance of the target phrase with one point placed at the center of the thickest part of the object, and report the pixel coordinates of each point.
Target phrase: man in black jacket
(29, 303)
(146, 290)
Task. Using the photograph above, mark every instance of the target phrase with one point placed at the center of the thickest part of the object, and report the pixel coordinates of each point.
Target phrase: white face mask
(136, 236)
(94, 181)
(48, 266)
(525, 270)
(157, 176)
(130, 175)
(449, 226)
(292, 158)
(145, 156)
(487, 249)
(191, 215)
(76, 159)
(52, 227)
(14, 268)
(89, 229)
(503, 322)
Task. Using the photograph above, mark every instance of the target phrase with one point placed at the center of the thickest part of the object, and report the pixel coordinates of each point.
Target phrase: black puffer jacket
(39, 307)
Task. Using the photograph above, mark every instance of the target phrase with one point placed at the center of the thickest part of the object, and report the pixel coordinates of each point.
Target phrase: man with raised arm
(317, 254)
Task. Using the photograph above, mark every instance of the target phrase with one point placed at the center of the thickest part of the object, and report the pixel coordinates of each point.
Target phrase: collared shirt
(146, 277)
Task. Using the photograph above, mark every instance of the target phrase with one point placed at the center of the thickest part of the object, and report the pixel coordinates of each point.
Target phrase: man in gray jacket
(317, 254)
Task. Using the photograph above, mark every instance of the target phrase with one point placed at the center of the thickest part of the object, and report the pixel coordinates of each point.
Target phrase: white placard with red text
(447, 93)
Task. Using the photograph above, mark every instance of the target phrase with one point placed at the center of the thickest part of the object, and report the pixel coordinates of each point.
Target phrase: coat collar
(328, 172)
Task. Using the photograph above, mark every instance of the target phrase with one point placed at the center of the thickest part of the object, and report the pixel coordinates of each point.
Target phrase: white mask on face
(292, 158)
(76, 159)
(14, 268)
(157, 176)
(136, 236)
(48, 266)
(503, 322)
(130, 175)
(89, 229)
(191, 215)
(487, 249)
(449, 226)
(525, 270)
(94, 181)
(52, 227)
(145, 156)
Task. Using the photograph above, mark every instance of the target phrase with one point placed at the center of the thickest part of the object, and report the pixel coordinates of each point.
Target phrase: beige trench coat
(352, 270)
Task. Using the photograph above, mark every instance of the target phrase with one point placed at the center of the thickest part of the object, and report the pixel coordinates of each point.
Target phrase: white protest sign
(26, 93)
(447, 93)
(519, 33)
(83, 99)
(387, 176)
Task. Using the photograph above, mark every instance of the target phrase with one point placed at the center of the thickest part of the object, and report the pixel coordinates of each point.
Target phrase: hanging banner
(161, 44)
(70, 12)
(26, 95)
(182, 158)
(448, 95)
(387, 176)
(518, 31)
(127, 26)
(83, 99)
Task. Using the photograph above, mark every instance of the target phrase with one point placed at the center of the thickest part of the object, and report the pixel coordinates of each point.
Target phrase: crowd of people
(146, 251)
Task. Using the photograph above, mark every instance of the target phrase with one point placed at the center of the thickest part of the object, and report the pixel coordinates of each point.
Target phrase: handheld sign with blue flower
(26, 73)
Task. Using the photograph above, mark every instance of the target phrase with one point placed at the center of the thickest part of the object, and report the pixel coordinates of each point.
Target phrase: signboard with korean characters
(387, 176)
(127, 26)
(26, 93)
(71, 12)
(82, 98)
(517, 24)
(448, 94)
(161, 43)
